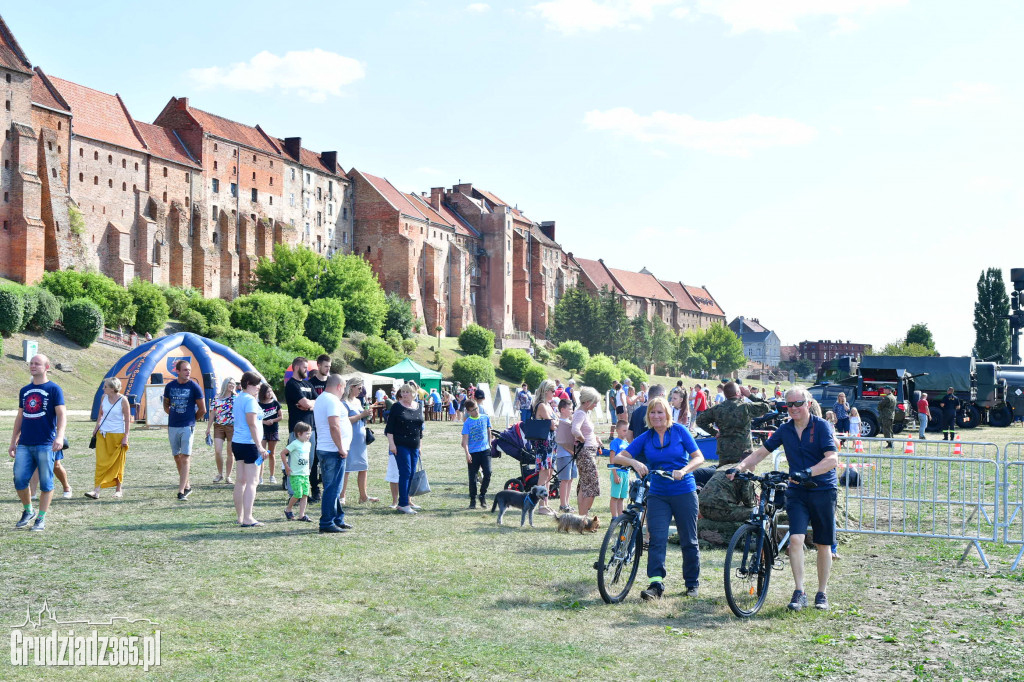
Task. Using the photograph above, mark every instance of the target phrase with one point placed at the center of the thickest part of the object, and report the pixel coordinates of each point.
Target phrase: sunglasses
(795, 403)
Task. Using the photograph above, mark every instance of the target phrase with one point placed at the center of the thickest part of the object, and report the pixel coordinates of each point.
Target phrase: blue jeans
(660, 510)
(29, 458)
(923, 418)
(332, 473)
(524, 414)
(406, 459)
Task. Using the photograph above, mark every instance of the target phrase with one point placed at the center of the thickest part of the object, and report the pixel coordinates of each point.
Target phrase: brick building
(821, 351)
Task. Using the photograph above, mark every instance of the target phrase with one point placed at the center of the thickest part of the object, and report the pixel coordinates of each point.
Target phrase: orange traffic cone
(908, 448)
(957, 448)
(858, 447)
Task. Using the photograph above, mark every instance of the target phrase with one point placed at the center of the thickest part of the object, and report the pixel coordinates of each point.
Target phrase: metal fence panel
(1013, 497)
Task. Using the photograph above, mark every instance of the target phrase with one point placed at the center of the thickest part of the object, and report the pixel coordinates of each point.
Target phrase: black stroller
(523, 442)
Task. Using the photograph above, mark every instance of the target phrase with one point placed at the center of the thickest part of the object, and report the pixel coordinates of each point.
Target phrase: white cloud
(963, 93)
(311, 74)
(783, 15)
(572, 16)
(479, 7)
(733, 137)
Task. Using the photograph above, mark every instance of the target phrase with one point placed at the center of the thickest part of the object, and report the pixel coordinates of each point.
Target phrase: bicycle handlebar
(770, 478)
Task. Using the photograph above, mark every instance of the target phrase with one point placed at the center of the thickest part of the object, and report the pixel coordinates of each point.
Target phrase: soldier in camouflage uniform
(887, 413)
(732, 419)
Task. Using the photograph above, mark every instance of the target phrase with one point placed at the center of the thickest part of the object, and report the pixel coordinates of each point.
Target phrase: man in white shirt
(333, 438)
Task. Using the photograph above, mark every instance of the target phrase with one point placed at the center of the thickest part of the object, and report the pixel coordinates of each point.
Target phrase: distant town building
(789, 353)
(822, 351)
(760, 344)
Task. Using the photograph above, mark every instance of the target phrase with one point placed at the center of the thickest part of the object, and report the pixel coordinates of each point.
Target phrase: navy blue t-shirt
(671, 454)
(183, 398)
(805, 451)
(38, 405)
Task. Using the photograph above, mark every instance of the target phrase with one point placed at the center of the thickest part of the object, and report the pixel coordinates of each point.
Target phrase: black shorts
(619, 409)
(815, 507)
(245, 452)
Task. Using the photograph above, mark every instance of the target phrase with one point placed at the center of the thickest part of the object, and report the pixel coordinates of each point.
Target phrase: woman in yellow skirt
(111, 433)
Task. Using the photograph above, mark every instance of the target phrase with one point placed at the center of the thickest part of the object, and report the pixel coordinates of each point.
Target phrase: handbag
(370, 435)
(92, 441)
(418, 484)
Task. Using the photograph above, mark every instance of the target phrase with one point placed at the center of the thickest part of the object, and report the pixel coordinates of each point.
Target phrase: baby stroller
(522, 442)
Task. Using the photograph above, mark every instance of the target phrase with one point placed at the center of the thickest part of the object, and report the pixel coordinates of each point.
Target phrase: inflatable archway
(153, 363)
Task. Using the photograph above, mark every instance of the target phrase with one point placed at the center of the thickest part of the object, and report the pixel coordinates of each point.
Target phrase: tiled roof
(539, 235)
(596, 272)
(683, 300)
(493, 198)
(11, 54)
(705, 300)
(164, 143)
(461, 226)
(749, 325)
(309, 159)
(233, 131)
(640, 285)
(42, 95)
(98, 115)
(427, 210)
(397, 200)
(754, 337)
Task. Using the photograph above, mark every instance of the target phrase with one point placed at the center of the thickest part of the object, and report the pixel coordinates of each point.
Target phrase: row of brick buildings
(194, 200)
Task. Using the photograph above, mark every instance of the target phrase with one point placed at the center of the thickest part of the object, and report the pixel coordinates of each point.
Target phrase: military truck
(864, 391)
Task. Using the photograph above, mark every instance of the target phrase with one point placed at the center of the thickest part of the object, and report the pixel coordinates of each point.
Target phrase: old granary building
(194, 199)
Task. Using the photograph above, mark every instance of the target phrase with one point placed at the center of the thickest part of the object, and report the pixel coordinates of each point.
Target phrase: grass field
(449, 595)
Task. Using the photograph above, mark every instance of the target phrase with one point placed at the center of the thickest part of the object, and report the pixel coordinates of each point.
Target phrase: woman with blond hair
(586, 461)
(111, 435)
(541, 409)
(223, 425)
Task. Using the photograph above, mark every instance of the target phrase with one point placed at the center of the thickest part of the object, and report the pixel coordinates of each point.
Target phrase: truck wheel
(1000, 416)
(934, 420)
(897, 427)
(968, 417)
(868, 425)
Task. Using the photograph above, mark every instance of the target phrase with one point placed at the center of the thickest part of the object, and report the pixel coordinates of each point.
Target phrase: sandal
(369, 499)
(252, 525)
(305, 518)
(119, 494)
(92, 496)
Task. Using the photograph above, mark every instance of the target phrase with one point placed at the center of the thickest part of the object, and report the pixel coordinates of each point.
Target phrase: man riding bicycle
(813, 458)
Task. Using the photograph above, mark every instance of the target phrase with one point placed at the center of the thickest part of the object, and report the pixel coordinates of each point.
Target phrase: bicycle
(751, 555)
(623, 543)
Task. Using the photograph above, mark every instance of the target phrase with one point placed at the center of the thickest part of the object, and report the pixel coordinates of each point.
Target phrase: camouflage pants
(886, 426)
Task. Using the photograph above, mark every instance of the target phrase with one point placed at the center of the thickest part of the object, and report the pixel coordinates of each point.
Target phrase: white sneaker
(227, 479)
(218, 478)
(416, 507)
(68, 494)
(261, 481)
(273, 480)
(393, 506)
(406, 510)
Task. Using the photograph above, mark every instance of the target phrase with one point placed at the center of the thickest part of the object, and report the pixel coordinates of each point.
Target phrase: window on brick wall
(188, 176)
(81, 177)
(124, 163)
(216, 186)
(271, 200)
(344, 237)
(271, 163)
(49, 145)
(234, 152)
(95, 156)
(291, 198)
(81, 151)
(59, 125)
(254, 175)
(255, 194)
(110, 159)
(110, 183)
(330, 189)
(309, 178)
(319, 196)
(214, 146)
(254, 158)
(215, 212)
(293, 173)
(214, 165)
(124, 186)
(234, 189)
(135, 188)
(136, 165)
(165, 197)
(8, 77)
(6, 197)
(271, 182)
(7, 105)
(330, 209)
(6, 225)
(187, 202)
(319, 219)
(165, 171)
(344, 213)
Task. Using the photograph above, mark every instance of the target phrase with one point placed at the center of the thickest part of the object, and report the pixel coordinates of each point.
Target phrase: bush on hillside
(632, 372)
(477, 340)
(113, 299)
(473, 369)
(600, 372)
(300, 345)
(47, 312)
(194, 322)
(178, 300)
(66, 285)
(215, 310)
(269, 361)
(514, 362)
(394, 340)
(409, 345)
(277, 318)
(574, 355)
(83, 321)
(30, 298)
(12, 310)
(152, 310)
(230, 336)
(534, 375)
(365, 310)
(377, 354)
(326, 323)
(399, 315)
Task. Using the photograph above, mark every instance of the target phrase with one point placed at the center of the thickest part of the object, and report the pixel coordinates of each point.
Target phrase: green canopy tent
(407, 369)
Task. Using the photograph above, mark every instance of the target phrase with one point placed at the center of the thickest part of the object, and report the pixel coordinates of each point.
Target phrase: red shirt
(922, 406)
(700, 401)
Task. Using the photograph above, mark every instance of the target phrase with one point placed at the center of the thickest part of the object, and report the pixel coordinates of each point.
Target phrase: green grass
(449, 595)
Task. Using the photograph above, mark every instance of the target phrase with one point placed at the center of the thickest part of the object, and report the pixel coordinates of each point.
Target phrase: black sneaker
(188, 491)
(653, 591)
(483, 502)
(821, 601)
(691, 592)
(26, 516)
(332, 529)
(344, 526)
(40, 524)
(181, 497)
(798, 602)
(472, 503)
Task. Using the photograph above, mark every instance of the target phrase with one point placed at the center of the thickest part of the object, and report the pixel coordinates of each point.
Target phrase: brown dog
(575, 522)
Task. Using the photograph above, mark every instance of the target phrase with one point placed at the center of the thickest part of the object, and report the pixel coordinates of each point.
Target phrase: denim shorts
(817, 508)
(181, 439)
(28, 459)
(566, 468)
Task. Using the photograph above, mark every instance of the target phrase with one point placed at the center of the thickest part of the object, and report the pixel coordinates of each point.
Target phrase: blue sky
(837, 168)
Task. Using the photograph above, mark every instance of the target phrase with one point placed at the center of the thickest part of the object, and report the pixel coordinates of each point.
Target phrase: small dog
(519, 500)
(580, 524)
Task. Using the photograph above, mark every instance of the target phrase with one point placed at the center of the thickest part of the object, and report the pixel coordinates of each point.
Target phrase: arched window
(110, 183)
(124, 186)
(81, 177)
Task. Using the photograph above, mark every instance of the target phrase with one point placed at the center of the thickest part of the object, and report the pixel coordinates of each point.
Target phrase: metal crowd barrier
(1012, 519)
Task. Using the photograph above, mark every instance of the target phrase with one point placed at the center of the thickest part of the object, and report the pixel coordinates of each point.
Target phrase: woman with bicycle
(667, 446)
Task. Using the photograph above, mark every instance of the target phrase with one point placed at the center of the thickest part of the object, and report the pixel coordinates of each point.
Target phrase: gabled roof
(44, 94)
(234, 131)
(427, 210)
(493, 198)
(398, 201)
(754, 337)
(749, 325)
(308, 158)
(11, 54)
(639, 285)
(539, 235)
(705, 301)
(164, 143)
(98, 115)
(461, 225)
(683, 300)
(598, 274)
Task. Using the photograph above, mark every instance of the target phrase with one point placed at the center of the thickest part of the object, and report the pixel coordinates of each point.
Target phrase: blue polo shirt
(671, 454)
(806, 450)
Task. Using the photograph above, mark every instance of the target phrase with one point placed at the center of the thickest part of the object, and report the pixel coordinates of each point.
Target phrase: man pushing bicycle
(813, 489)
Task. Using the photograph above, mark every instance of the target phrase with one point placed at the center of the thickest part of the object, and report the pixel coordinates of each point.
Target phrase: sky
(838, 169)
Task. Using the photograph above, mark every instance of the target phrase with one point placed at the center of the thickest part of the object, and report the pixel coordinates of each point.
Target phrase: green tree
(351, 279)
(152, 310)
(277, 318)
(575, 317)
(801, 368)
(477, 340)
(638, 344)
(600, 372)
(921, 335)
(992, 334)
(719, 343)
(663, 342)
(399, 315)
(293, 271)
(574, 355)
(684, 347)
(903, 348)
(326, 323)
(613, 325)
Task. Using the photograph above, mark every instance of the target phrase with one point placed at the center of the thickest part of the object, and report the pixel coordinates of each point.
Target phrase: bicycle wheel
(748, 569)
(619, 559)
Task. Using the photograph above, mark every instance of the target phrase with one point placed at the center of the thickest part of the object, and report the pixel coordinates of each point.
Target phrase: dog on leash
(520, 500)
(574, 522)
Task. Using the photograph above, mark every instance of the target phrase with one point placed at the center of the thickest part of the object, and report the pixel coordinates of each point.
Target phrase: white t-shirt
(112, 422)
(720, 397)
(329, 405)
(854, 426)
